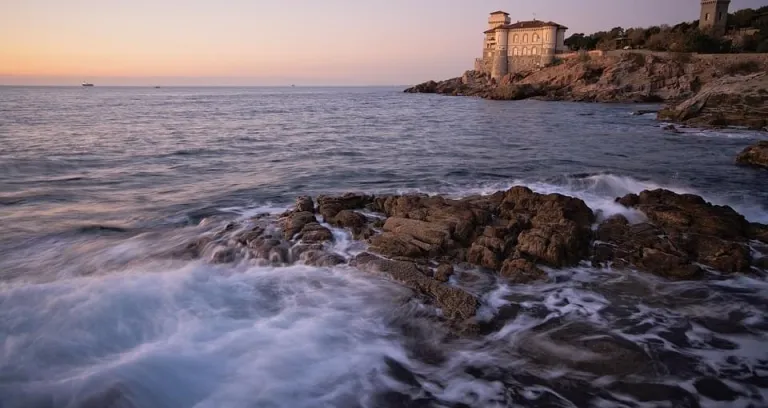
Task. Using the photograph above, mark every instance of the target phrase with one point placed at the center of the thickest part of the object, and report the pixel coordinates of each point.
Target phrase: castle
(714, 15)
(511, 47)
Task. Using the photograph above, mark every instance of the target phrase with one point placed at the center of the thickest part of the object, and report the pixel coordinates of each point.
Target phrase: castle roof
(500, 12)
(527, 24)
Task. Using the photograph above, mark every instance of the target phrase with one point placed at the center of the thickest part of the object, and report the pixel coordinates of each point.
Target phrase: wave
(599, 192)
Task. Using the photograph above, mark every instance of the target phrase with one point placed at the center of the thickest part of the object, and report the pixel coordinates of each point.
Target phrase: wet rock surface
(513, 235)
(755, 155)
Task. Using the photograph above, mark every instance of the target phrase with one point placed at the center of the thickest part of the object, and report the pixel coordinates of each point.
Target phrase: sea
(96, 184)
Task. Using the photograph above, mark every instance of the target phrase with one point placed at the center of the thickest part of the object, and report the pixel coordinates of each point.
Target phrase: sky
(280, 42)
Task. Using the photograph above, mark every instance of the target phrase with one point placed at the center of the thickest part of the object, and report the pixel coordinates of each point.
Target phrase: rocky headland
(707, 92)
(518, 235)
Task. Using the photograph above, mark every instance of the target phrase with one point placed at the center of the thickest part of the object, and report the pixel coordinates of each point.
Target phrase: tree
(636, 37)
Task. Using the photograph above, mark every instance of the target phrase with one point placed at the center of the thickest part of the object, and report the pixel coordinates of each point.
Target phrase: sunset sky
(257, 42)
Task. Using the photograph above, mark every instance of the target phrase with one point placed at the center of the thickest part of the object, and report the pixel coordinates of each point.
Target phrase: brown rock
(223, 255)
(545, 209)
(295, 222)
(521, 271)
(755, 155)
(758, 232)
(330, 206)
(725, 256)
(666, 264)
(351, 220)
(430, 233)
(555, 244)
(305, 204)
(393, 245)
(321, 258)
(455, 303)
(444, 272)
(314, 232)
(487, 252)
(261, 248)
(689, 213)
(245, 237)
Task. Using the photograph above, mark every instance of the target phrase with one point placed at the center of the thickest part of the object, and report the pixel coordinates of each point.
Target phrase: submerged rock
(755, 155)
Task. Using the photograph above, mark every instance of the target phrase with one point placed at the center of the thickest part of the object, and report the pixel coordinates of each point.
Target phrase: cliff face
(719, 96)
(740, 100)
(630, 78)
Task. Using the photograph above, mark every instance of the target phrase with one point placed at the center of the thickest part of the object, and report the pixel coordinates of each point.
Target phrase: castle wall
(524, 63)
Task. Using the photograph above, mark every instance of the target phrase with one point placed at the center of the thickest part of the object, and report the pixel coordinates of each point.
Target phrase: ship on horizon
(87, 84)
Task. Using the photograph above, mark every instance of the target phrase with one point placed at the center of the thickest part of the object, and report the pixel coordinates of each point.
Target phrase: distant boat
(87, 84)
(157, 87)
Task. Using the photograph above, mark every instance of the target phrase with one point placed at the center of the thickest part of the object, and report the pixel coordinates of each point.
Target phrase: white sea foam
(197, 336)
(599, 192)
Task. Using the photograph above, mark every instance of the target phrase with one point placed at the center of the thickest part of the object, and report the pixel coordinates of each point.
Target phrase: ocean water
(96, 184)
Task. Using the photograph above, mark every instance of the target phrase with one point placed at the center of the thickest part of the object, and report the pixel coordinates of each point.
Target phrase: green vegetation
(747, 32)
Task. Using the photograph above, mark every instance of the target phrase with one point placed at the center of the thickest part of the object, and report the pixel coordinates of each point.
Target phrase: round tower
(500, 57)
(550, 45)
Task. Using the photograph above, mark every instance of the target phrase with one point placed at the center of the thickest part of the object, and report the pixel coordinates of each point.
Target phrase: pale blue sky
(257, 42)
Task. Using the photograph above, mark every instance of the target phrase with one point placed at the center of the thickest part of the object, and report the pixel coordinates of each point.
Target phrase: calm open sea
(95, 181)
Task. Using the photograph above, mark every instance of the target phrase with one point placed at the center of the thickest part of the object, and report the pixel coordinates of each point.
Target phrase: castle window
(525, 38)
(706, 17)
(535, 38)
(516, 38)
(535, 51)
(515, 51)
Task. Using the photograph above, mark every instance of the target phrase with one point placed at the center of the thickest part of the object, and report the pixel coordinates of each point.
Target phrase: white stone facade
(510, 47)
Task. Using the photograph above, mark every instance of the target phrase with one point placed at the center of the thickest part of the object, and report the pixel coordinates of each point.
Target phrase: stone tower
(714, 14)
(500, 58)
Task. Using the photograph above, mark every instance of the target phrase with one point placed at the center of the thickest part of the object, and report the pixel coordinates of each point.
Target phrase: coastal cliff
(683, 81)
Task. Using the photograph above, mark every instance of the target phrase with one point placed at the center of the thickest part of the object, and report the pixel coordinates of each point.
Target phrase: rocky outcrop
(515, 235)
(631, 77)
(755, 155)
(740, 100)
(684, 232)
(703, 92)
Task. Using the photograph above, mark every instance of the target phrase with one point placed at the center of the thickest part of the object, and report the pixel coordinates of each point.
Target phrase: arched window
(525, 38)
(535, 51)
(515, 51)
(516, 39)
(535, 38)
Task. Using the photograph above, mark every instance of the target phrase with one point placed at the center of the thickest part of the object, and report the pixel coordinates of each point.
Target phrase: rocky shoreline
(697, 92)
(420, 240)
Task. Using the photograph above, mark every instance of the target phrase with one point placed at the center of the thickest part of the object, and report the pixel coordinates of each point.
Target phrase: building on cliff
(714, 16)
(511, 47)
